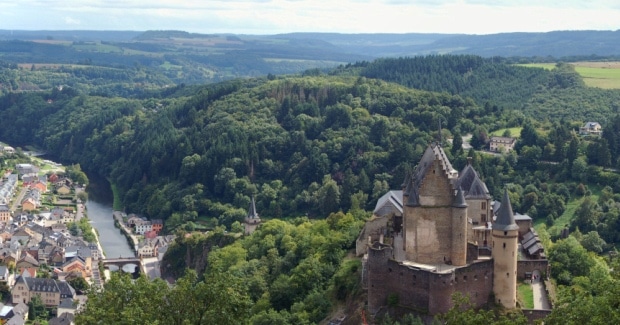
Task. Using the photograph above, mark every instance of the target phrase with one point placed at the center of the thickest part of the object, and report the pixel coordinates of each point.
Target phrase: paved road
(151, 266)
(540, 296)
(18, 199)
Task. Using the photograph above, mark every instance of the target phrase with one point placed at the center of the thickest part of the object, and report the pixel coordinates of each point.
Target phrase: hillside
(316, 151)
(191, 58)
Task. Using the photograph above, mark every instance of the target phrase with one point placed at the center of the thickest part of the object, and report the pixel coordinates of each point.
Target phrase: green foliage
(277, 260)
(79, 283)
(463, 313)
(36, 308)
(569, 259)
(220, 300)
(591, 299)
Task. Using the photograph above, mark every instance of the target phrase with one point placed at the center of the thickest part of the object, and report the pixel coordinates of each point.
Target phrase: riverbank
(118, 222)
(101, 251)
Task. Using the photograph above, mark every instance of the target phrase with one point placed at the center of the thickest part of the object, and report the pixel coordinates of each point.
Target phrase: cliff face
(191, 251)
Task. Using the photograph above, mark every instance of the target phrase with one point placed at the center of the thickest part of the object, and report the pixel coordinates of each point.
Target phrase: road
(540, 296)
(18, 199)
(151, 267)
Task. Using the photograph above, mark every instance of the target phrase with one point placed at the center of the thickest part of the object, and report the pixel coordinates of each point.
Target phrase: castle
(442, 234)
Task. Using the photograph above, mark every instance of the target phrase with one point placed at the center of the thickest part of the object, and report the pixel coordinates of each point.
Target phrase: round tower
(459, 230)
(504, 250)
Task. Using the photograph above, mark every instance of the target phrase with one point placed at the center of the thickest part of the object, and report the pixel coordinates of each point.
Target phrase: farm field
(604, 75)
(514, 132)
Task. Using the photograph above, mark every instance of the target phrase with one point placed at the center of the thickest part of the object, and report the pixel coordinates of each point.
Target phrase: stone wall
(422, 290)
(534, 315)
(373, 228)
(530, 266)
(428, 232)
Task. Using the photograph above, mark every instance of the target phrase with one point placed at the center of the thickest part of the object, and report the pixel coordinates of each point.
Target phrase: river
(99, 211)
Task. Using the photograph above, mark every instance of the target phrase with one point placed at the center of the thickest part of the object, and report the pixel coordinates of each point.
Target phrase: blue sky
(283, 16)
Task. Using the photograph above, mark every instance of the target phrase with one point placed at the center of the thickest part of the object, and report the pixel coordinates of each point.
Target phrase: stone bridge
(126, 264)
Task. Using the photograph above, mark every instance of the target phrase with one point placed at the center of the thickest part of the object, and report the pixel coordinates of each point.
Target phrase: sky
(283, 16)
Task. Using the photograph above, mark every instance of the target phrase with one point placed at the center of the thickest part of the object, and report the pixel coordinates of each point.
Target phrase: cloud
(72, 21)
(346, 16)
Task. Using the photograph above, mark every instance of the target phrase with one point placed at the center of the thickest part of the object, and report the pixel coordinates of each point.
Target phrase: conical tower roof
(505, 217)
(459, 200)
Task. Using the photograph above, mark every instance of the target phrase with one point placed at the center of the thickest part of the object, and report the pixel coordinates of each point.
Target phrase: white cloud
(72, 21)
(348, 16)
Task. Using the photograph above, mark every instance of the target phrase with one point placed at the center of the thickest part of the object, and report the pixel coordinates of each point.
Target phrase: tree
(79, 283)
(328, 196)
(83, 196)
(579, 170)
(593, 242)
(568, 260)
(36, 308)
(462, 312)
(77, 175)
(457, 144)
(220, 300)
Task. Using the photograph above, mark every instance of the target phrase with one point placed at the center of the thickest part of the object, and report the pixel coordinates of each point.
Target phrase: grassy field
(569, 213)
(526, 295)
(514, 132)
(117, 204)
(604, 75)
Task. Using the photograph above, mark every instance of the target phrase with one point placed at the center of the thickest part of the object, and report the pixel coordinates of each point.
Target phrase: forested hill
(177, 57)
(302, 145)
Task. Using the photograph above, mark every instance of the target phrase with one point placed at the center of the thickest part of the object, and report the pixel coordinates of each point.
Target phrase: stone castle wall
(531, 266)
(422, 290)
(425, 231)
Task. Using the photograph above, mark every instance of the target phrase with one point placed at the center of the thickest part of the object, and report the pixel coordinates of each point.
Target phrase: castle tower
(459, 229)
(505, 238)
(252, 220)
(428, 220)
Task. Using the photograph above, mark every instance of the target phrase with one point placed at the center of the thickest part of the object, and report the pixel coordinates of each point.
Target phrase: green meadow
(604, 75)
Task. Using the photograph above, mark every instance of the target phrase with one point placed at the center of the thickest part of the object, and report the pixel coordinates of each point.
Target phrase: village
(49, 253)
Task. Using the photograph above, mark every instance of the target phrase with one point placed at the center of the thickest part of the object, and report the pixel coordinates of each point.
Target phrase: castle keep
(438, 236)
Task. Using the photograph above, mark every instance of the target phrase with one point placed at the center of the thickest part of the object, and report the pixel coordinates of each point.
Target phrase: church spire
(252, 214)
(252, 220)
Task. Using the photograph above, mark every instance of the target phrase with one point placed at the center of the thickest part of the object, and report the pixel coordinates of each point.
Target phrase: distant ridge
(557, 44)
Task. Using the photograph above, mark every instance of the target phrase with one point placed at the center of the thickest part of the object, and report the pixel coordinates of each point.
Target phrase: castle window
(483, 217)
(475, 277)
(483, 205)
(504, 245)
(464, 277)
(507, 274)
(505, 233)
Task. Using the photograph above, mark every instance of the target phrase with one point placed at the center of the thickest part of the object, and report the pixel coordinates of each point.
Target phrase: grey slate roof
(63, 319)
(393, 197)
(478, 190)
(470, 182)
(66, 290)
(505, 218)
(466, 177)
